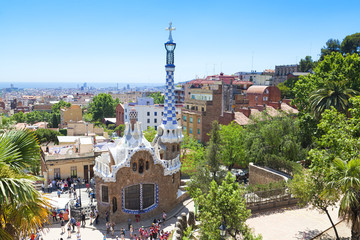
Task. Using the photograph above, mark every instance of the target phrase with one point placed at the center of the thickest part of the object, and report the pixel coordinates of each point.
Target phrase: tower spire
(170, 131)
(170, 29)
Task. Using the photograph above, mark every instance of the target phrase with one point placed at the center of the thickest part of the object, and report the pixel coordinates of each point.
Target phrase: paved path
(292, 223)
(285, 224)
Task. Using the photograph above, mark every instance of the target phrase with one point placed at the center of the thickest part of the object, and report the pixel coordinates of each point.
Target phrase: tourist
(62, 224)
(107, 215)
(129, 223)
(97, 215)
(78, 225)
(112, 228)
(117, 238)
(131, 231)
(61, 215)
(58, 193)
(104, 237)
(107, 228)
(50, 187)
(54, 215)
(164, 216)
(69, 229)
(122, 233)
(78, 236)
(43, 187)
(73, 222)
(91, 217)
(83, 216)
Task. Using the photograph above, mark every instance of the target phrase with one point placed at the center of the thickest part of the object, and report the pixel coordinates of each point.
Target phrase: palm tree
(335, 94)
(22, 208)
(346, 178)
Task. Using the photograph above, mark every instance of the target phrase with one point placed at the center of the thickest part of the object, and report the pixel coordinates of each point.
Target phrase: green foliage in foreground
(224, 204)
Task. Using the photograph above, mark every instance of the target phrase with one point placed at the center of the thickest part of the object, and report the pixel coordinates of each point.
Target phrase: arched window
(178, 147)
(141, 166)
(114, 204)
(147, 165)
(173, 148)
(134, 167)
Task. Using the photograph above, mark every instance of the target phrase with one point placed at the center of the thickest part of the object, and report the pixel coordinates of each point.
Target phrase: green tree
(224, 204)
(47, 136)
(213, 151)
(192, 153)
(55, 108)
(285, 90)
(306, 64)
(351, 44)
(334, 68)
(22, 208)
(310, 187)
(334, 94)
(102, 106)
(120, 129)
(332, 45)
(158, 98)
(19, 117)
(346, 178)
(150, 134)
(232, 151)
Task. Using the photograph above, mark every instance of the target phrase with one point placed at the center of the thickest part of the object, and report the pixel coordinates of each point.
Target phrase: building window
(184, 128)
(190, 130)
(73, 172)
(140, 198)
(132, 197)
(178, 147)
(155, 127)
(202, 109)
(148, 113)
(114, 206)
(148, 120)
(198, 130)
(141, 166)
(173, 178)
(199, 120)
(57, 173)
(134, 167)
(173, 148)
(191, 120)
(155, 120)
(265, 98)
(155, 113)
(104, 194)
(184, 117)
(162, 113)
(147, 165)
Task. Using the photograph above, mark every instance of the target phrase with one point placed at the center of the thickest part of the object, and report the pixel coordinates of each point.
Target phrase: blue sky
(122, 41)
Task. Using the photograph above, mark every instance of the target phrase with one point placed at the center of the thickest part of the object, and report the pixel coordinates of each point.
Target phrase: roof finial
(170, 29)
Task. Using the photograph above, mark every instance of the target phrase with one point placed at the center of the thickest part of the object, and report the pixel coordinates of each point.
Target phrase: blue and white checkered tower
(169, 131)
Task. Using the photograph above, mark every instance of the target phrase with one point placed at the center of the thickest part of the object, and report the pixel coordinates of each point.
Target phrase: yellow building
(75, 159)
(72, 114)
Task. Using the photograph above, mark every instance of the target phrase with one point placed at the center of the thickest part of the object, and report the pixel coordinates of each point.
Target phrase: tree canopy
(224, 204)
(158, 98)
(102, 106)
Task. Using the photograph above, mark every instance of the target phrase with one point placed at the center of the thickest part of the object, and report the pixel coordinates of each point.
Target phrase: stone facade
(167, 189)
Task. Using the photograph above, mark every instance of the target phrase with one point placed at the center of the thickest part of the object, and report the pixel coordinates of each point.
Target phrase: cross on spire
(170, 28)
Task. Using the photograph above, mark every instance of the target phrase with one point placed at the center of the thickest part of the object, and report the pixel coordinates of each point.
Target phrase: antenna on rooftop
(252, 61)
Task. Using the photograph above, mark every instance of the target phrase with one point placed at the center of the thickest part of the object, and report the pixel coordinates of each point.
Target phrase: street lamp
(222, 230)
(79, 194)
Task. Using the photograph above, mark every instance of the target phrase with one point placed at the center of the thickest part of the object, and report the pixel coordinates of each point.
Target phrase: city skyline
(93, 41)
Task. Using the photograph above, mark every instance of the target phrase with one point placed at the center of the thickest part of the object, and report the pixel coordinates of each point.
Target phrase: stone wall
(260, 175)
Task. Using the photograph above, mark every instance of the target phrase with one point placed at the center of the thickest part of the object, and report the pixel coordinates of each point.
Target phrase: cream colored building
(69, 115)
(73, 157)
(82, 128)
